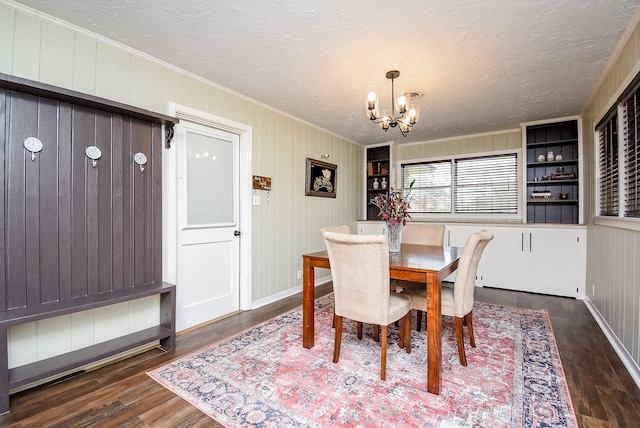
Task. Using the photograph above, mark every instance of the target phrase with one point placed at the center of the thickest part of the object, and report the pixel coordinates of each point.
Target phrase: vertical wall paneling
(4, 131)
(115, 72)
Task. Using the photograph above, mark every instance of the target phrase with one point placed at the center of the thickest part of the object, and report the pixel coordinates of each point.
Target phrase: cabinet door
(372, 228)
(504, 259)
(456, 236)
(553, 261)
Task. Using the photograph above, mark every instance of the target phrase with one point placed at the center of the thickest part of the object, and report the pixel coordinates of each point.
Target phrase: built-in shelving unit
(378, 164)
(552, 172)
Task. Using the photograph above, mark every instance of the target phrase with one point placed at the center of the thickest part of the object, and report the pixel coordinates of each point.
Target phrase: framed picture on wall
(321, 179)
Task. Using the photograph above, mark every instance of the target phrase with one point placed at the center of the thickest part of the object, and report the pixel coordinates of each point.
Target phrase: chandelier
(408, 113)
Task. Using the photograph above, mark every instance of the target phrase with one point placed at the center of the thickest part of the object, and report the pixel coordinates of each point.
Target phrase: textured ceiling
(483, 65)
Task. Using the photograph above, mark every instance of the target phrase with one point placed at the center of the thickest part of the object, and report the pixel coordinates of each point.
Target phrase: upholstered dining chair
(457, 301)
(360, 274)
(421, 234)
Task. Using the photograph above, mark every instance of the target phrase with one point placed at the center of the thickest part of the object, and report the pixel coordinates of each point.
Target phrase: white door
(208, 268)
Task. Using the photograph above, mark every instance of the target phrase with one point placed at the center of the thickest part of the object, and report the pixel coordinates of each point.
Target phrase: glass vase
(395, 236)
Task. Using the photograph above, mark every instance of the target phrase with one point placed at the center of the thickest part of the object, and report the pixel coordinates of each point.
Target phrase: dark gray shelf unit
(78, 237)
(378, 166)
(561, 138)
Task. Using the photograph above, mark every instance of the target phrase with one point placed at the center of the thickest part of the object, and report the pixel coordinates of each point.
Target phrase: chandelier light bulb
(371, 101)
(402, 104)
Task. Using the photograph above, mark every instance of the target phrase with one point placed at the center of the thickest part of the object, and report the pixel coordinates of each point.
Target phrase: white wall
(40, 48)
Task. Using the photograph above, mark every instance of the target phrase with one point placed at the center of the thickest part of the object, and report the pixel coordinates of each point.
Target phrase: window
(432, 186)
(487, 185)
(463, 185)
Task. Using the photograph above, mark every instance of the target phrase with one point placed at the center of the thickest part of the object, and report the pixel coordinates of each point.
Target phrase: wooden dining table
(427, 264)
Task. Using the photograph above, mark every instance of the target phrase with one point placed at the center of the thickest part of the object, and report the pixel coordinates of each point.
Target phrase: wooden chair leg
(407, 332)
(376, 333)
(419, 320)
(468, 321)
(463, 357)
(401, 333)
(383, 351)
(359, 329)
(338, 339)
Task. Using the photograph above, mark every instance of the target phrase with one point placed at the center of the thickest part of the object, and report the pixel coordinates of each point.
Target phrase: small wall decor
(94, 154)
(261, 183)
(321, 179)
(33, 145)
(141, 159)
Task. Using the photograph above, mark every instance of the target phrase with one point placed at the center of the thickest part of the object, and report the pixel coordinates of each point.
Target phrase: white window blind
(487, 185)
(432, 186)
(608, 165)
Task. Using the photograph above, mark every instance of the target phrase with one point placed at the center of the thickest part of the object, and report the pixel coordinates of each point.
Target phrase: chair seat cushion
(418, 295)
(399, 305)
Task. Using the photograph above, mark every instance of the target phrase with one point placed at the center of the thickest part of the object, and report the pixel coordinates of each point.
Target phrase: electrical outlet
(299, 274)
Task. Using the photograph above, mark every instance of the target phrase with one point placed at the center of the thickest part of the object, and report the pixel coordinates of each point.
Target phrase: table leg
(434, 333)
(308, 298)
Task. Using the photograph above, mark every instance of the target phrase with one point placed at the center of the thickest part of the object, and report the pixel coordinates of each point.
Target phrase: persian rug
(264, 377)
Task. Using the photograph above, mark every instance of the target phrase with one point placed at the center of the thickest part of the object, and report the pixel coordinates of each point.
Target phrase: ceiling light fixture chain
(407, 111)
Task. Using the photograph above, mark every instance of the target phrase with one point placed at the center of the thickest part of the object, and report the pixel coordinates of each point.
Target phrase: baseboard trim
(286, 293)
(627, 360)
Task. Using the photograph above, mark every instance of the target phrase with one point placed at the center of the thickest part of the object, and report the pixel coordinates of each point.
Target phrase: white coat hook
(141, 159)
(33, 145)
(94, 154)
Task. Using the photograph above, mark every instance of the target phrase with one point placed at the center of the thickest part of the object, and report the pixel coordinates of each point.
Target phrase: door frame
(170, 197)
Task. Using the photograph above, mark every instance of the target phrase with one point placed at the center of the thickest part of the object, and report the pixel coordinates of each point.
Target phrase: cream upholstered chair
(360, 273)
(458, 301)
(421, 234)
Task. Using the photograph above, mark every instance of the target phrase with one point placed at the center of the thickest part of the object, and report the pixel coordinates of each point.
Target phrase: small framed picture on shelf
(321, 179)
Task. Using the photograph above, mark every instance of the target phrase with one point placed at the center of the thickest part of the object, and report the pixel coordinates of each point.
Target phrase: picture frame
(320, 179)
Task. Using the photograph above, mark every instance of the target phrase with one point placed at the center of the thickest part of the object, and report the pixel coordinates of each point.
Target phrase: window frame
(516, 217)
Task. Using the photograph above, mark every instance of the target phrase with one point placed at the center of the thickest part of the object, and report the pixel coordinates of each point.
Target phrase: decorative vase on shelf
(394, 233)
(375, 183)
(384, 182)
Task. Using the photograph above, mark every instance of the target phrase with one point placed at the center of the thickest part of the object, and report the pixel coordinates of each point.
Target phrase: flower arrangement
(394, 209)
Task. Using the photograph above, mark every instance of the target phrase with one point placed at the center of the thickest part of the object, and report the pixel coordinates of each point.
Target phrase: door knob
(236, 233)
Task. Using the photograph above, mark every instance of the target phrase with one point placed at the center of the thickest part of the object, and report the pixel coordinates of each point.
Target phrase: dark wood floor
(122, 395)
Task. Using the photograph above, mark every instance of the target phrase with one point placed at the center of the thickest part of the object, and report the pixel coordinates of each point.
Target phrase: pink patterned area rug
(264, 377)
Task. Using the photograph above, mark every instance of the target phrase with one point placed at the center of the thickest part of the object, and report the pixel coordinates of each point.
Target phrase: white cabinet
(372, 228)
(548, 260)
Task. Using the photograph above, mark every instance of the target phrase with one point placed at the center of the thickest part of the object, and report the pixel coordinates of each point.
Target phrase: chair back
(464, 285)
(360, 274)
(423, 234)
